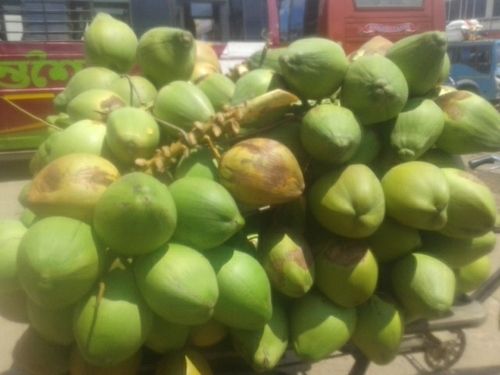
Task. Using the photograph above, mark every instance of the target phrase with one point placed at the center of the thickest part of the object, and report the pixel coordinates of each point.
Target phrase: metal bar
(488, 288)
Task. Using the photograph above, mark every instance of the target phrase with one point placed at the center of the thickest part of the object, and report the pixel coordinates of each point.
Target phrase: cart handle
(489, 159)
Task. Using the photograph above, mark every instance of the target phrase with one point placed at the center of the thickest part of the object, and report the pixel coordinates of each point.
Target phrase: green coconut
(314, 67)
(11, 233)
(135, 215)
(392, 240)
(55, 326)
(84, 136)
(178, 283)
(318, 327)
(473, 275)
(379, 330)
(346, 271)
(472, 124)
(79, 366)
(181, 104)
(58, 261)
(204, 220)
(166, 54)
(71, 186)
(288, 261)
(420, 57)
(266, 59)
(92, 77)
(417, 128)
(110, 43)
(368, 149)
(263, 348)
(255, 83)
(349, 202)
(136, 91)
(330, 133)
(94, 104)
(445, 70)
(60, 101)
(458, 252)
(260, 172)
(199, 163)
(166, 336)
(244, 289)
(132, 133)
(471, 210)
(424, 285)
(417, 195)
(218, 88)
(112, 323)
(39, 159)
(374, 89)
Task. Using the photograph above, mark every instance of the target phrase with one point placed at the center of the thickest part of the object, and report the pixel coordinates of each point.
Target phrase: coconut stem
(222, 124)
(225, 124)
(99, 297)
(133, 90)
(212, 147)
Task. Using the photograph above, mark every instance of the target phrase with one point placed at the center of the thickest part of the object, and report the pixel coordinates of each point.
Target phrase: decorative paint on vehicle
(37, 71)
(371, 28)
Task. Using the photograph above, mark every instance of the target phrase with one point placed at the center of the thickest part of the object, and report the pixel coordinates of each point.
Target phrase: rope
(20, 109)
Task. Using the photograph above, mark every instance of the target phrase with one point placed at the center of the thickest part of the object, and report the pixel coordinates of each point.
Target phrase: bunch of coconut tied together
(145, 224)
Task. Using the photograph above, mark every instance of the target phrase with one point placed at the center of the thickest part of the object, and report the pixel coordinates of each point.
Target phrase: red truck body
(351, 25)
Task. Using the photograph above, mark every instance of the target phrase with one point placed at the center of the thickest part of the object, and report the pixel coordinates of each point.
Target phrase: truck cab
(475, 66)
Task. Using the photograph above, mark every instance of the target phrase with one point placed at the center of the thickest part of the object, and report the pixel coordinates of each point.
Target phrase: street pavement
(482, 352)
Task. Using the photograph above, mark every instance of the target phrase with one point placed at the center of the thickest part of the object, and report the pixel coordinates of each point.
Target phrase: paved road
(481, 357)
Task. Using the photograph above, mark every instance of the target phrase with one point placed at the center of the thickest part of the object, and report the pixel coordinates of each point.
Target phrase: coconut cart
(312, 275)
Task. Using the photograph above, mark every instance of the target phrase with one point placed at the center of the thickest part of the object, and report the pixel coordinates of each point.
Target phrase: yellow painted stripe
(29, 96)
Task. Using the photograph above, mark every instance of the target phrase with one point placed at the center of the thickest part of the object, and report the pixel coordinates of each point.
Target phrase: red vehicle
(354, 22)
(38, 58)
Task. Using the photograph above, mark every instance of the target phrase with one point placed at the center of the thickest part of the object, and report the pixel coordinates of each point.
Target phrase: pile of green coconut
(305, 201)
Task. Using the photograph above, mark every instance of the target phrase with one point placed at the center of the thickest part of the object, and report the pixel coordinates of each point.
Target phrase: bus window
(55, 20)
(388, 3)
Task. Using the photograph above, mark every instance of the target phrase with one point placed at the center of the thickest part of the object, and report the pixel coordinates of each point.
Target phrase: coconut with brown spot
(260, 172)
(71, 186)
